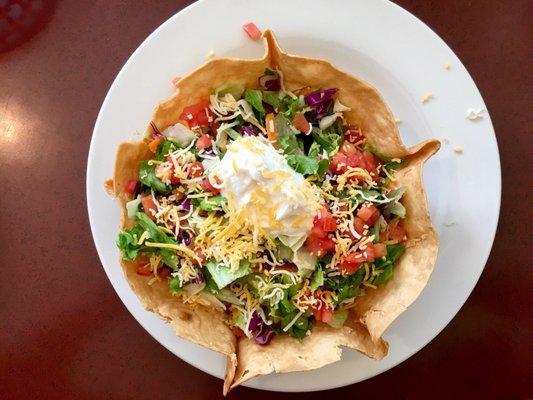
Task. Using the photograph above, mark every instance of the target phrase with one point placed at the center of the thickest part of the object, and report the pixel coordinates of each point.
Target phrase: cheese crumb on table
(447, 66)
(427, 97)
(458, 149)
(472, 114)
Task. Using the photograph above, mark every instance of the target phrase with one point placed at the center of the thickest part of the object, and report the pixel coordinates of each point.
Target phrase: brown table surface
(64, 333)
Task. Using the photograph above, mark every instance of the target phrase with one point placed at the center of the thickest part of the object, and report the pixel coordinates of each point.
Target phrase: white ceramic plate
(377, 41)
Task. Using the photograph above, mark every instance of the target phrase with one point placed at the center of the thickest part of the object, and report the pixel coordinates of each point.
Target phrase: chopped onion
(327, 121)
(339, 107)
(180, 133)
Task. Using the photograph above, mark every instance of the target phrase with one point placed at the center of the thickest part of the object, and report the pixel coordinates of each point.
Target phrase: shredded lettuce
(286, 137)
(346, 287)
(155, 234)
(148, 178)
(233, 89)
(328, 139)
(223, 276)
(303, 164)
(174, 285)
(291, 106)
(384, 276)
(388, 162)
(272, 98)
(132, 206)
(394, 252)
(255, 99)
(213, 203)
(127, 242)
(318, 279)
(339, 318)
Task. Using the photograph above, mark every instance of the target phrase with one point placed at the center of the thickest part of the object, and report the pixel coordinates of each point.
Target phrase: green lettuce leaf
(303, 164)
(233, 89)
(384, 276)
(272, 98)
(339, 318)
(127, 242)
(323, 166)
(394, 252)
(168, 256)
(165, 147)
(286, 137)
(148, 178)
(346, 287)
(291, 106)
(223, 276)
(213, 203)
(327, 139)
(255, 98)
(174, 285)
(318, 279)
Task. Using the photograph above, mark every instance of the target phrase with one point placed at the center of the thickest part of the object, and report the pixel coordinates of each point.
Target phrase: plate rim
(198, 365)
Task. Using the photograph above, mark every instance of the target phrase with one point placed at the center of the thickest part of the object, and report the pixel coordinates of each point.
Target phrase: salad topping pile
(266, 205)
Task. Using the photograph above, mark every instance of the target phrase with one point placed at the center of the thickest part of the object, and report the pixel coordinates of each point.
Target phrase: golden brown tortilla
(375, 311)
(198, 324)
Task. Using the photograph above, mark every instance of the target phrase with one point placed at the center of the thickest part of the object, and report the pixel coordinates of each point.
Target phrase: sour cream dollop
(258, 182)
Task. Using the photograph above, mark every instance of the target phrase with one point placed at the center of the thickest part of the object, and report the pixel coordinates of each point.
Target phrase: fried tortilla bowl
(373, 312)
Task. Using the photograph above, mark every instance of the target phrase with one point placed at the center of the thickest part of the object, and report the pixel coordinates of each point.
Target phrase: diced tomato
(371, 162)
(351, 263)
(196, 169)
(198, 114)
(355, 159)
(144, 270)
(353, 135)
(359, 228)
(318, 232)
(207, 186)
(237, 331)
(369, 214)
(338, 163)
(202, 117)
(174, 180)
(164, 272)
(324, 220)
(368, 253)
(322, 313)
(301, 123)
(154, 144)
(131, 186)
(348, 148)
(396, 232)
(149, 206)
(371, 252)
(252, 30)
(320, 246)
(203, 142)
(358, 225)
(380, 250)
(327, 314)
(317, 312)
